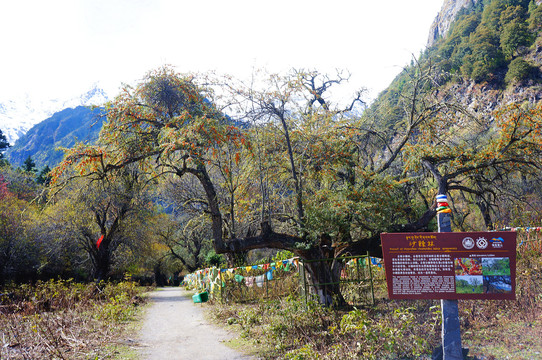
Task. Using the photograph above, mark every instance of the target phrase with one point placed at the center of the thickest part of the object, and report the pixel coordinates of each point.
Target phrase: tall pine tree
(4, 144)
(29, 165)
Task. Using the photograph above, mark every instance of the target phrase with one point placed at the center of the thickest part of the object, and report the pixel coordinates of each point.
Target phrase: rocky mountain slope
(486, 54)
(18, 115)
(443, 21)
(62, 129)
(447, 15)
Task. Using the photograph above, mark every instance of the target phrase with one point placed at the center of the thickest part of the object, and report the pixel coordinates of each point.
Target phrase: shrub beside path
(174, 328)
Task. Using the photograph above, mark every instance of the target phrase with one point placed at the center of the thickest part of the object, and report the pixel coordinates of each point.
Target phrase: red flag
(99, 242)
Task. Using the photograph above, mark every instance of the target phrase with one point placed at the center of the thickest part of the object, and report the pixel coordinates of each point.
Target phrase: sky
(60, 48)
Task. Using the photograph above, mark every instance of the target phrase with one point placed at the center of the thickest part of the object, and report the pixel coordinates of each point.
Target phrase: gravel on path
(174, 329)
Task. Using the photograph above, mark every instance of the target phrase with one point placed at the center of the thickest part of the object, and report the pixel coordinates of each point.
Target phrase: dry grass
(64, 320)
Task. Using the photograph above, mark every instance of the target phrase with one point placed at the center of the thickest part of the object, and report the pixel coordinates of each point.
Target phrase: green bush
(535, 17)
(519, 70)
(214, 259)
(513, 36)
(480, 72)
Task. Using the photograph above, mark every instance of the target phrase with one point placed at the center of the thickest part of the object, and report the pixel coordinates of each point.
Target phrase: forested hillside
(497, 42)
(486, 66)
(492, 46)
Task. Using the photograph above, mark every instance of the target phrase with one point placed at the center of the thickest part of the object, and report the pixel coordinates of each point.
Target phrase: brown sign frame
(450, 265)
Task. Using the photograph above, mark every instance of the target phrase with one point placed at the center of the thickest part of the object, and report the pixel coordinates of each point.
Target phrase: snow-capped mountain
(17, 116)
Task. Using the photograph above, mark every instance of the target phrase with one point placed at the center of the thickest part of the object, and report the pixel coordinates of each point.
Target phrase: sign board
(452, 265)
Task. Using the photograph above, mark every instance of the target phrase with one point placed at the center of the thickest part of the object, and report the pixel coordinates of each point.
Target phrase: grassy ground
(492, 330)
(65, 320)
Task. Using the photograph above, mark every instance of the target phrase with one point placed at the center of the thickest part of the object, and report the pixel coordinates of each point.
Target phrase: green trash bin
(201, 297)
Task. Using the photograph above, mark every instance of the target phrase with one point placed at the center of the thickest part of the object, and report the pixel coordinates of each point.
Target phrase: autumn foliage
(293, 169)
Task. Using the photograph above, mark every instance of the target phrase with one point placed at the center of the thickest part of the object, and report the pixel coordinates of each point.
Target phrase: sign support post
(450, 266)
(451, 332)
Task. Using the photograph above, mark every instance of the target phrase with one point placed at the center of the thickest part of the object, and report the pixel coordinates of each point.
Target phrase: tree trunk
(323, 276)
(103, 263)
(102, 257)
(484, 209)
(216, 216)
(297, 181)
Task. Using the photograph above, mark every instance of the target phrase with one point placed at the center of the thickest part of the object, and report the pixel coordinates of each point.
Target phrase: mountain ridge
(19, 115)
(63, 129)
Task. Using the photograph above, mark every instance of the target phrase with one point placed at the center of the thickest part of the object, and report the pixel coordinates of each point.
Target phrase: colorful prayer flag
(98, 243)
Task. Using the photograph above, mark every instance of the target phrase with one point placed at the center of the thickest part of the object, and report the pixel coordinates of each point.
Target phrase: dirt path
(174, 328)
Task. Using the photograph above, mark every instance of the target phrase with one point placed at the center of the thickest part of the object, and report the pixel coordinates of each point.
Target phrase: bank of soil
(174, 328)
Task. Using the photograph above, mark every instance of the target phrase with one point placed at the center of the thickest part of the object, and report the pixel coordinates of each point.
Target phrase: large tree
(101, 215)
(481, 160)
(169, 126)
(325, 182)
(18, 252)
(166, 125)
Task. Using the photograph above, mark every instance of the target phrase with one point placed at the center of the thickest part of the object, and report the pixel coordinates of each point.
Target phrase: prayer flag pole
(451, 332)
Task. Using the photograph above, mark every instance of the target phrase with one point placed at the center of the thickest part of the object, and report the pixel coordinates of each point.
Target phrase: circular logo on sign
(468, 243)
(481, 242)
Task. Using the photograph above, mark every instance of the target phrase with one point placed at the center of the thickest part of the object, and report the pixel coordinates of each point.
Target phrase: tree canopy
(289, 168)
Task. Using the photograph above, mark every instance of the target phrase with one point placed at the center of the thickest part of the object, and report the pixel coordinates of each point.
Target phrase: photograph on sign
(468, 266)
(469, 284)
(473, 265)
